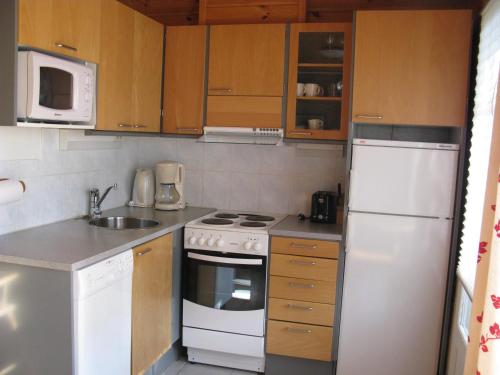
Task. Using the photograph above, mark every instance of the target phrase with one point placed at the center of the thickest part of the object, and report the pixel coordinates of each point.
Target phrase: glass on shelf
(321, 48)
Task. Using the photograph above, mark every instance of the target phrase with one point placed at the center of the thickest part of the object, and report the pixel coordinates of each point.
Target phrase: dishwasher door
(102, 316)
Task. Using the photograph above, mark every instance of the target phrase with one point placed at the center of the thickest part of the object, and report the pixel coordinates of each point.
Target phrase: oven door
(224, 292)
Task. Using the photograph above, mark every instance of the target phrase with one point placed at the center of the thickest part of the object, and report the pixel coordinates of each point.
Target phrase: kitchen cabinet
(246, 73)
(319, 81)
(184, 88)
(412, 67)
(301, 300)
(130, 70)
(151, 302)
(68, 27)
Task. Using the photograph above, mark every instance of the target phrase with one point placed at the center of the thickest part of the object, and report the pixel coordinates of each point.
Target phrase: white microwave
(54, 90)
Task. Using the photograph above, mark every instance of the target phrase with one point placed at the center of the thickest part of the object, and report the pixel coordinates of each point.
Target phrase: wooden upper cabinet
(247, 60)
(412, 67)
(184, 89)
(68, 27)
(151, 302)
(130, 71)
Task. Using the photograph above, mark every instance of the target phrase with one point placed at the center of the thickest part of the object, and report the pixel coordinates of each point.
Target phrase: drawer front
(298, 246)
(299, 340)
(304, 267)
(302, 290)
(301, 312)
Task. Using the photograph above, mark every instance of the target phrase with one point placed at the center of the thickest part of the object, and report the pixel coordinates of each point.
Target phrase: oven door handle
(209, 258)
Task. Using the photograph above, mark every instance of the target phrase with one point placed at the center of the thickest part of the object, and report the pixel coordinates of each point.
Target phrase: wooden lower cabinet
(151, 302)
(301, 303)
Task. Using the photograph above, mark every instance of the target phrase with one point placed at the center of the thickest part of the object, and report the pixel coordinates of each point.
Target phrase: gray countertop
(292, 227)
(73, 244)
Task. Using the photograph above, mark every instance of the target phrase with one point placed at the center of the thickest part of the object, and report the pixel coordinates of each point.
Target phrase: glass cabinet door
(318, 82)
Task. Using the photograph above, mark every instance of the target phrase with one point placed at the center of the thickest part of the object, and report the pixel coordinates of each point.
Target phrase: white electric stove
(225, 273)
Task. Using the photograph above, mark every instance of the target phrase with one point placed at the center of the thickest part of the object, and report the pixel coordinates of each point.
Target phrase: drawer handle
(188, 129)
(373, 117)
(62, 45)
(301, 285)
(124, 125)
(302, 262)
(302, 246)
(298, 330)
(302, 133)
(139, 126)
(144, 252)
(225, 89)
(298, 307)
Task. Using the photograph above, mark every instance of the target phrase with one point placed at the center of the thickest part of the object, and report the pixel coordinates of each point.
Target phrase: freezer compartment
(403, 180)
(394, 294)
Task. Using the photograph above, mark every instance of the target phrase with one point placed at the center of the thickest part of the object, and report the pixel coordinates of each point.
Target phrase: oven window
(56, 88)
(224, 286)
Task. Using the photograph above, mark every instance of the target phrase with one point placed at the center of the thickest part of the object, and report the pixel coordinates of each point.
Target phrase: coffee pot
(169, 186)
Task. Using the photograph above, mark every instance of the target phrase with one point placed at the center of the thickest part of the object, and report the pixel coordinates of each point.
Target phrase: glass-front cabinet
(318, 81)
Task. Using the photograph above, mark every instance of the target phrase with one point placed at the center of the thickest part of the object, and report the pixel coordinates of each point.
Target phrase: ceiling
(185, 12)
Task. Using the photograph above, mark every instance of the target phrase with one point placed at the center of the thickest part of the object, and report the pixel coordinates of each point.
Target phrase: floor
(183, 367)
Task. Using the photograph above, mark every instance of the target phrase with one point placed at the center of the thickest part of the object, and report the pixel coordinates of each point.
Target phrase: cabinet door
(151, 302)
(114, 97)
(411, 67)
(246, 60)
(184, 79)
(69, 27)
(147, 78)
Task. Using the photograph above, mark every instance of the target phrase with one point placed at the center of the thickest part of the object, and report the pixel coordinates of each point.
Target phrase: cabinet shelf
(321, 98)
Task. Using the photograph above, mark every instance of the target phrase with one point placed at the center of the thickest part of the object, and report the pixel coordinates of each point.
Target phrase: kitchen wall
(240, 177)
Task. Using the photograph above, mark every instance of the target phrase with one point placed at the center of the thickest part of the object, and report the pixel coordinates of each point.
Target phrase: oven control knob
(192, 240)
(220, 242)
(211, 242)
(201, 241)
(257, 246)
(247, 245)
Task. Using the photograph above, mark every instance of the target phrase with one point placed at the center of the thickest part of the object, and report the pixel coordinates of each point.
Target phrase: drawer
(302, 290)
(301, 312)
(298, 246)
(304, 267)
(299, 340)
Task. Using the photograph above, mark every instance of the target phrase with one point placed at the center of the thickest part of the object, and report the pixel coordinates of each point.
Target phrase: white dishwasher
(102, 316)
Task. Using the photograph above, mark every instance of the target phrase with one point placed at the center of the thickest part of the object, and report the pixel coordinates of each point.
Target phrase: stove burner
(253, 224)
(260, 218)
(224, 215)
(213, 221)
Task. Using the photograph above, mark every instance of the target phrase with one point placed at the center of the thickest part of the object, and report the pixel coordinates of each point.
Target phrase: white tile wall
(239, 177)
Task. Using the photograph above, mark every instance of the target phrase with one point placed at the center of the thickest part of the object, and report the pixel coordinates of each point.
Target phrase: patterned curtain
(483, 351)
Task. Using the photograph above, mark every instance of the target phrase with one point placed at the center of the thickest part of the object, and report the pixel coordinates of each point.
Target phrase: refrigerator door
(394, 294)
(405, 181)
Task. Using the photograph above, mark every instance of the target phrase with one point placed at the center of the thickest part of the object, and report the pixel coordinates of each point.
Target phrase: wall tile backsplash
(225, 176)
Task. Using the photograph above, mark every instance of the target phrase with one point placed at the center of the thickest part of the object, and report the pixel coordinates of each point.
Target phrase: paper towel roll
(10, 191)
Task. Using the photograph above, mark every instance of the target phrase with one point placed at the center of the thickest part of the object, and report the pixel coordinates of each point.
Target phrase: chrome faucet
(96, 201)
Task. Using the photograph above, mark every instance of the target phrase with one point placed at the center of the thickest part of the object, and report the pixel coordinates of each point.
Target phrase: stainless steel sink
(121, 222)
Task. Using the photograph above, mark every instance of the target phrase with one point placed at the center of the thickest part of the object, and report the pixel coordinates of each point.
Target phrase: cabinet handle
(137, 126)
(62, 45)
(298, 330)
(225, 89)
(302, 262)
(188, 129)
(373, 117)
(124, 126)
(300, 285)
(302, 133)
(297, 307)
(144, 252)
(302, 246)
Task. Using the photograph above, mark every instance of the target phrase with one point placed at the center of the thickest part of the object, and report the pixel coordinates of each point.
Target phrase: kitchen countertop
(291, 226)
(73, 244)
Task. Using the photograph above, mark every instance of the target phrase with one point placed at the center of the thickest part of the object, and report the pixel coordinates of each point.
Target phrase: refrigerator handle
(347, 239)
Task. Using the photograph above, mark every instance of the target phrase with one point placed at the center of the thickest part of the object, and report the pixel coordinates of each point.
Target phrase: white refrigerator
(397, 254)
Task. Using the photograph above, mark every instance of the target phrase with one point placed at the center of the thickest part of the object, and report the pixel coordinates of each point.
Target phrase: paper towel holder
(21, 182)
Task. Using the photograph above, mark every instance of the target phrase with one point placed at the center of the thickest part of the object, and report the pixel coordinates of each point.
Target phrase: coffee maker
(169, 186)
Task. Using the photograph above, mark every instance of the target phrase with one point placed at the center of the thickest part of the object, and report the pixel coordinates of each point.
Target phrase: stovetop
(237, 221)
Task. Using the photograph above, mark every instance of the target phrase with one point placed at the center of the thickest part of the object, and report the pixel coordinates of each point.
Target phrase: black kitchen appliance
(324, 207)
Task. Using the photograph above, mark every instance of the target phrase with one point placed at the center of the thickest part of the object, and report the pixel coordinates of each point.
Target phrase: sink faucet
(96, 201)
